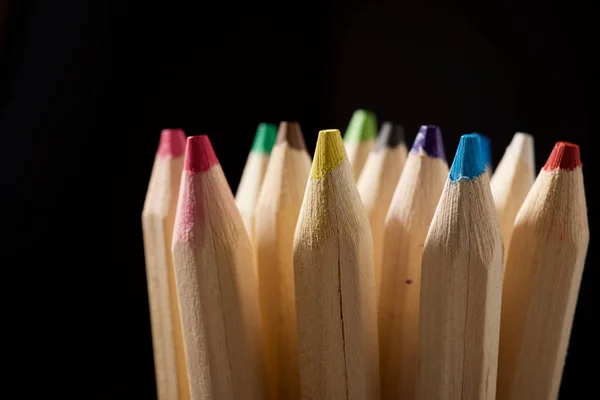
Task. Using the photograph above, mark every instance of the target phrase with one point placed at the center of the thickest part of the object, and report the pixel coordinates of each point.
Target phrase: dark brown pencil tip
(291, 133)
(390, 136)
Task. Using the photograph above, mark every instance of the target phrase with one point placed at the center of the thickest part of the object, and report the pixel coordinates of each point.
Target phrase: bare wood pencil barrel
(158, 217)
(216, 284)
(248, 190)
(406, 225)
(377, 183)
(335, 286)
(543, 273)
(276, 216)
(461, 285)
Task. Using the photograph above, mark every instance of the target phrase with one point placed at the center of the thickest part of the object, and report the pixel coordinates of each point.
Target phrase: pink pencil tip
(172, 143)
(199, 154)
(565, 155)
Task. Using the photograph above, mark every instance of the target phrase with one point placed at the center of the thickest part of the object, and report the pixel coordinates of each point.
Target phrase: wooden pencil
(216, 285)
(359, 139)
(411, 210)
(377, 183)
(248, 190)
(335, 284)
(158, 217)
(276, 215)
(545, 263)
(511, 182)
(461, 286)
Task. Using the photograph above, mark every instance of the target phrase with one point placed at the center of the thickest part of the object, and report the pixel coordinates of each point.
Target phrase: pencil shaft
(460, 302)
(376, 186)
(335, 299)
(407, 224)
(461, 284)
(276, 217)
(249, 189)
(216, 285)
(157, 221)
(543, 274)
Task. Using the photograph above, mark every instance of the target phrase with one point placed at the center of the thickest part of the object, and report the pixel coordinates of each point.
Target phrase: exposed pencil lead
(172, 143)
(264, 139)
(329, 153)
(291, 133)
(199, 154)
(429, 140)
(565, 156)
(390, 135)
(468, 161)
(362, 127)
(486, 148)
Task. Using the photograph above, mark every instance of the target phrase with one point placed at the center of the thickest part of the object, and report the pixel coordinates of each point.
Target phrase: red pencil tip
(172, 143)
(565, 155)
(199, 154)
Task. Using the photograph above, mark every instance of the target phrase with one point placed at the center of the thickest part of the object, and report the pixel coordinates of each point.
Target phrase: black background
(88, 85)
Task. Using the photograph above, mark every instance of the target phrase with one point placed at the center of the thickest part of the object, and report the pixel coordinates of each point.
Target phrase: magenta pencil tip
(172, 143)
(199, 154)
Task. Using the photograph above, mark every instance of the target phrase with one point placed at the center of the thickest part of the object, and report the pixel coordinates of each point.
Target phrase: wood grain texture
(275, 218)
(406, 225)
(543, 273)
(217, 289)
(335, 287)
(376, 186)
(461, 284)
(511, 182)
(248, 190)
(358, 152)
(158, 217)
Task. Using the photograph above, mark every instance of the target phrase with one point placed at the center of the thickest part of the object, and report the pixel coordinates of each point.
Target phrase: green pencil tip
(362, 127)
(264, 139)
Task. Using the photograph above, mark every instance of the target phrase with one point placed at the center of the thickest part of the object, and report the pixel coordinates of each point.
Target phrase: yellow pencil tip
(329, 153)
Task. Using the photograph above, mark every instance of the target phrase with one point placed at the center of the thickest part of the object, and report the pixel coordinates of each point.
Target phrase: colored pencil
(248, 190)
(545, 263)
(461, 286)
(511, 183)
(275, 218)
(486, 151)
(335, 284)
(411, 210)
(158, 216)
(359, 139)
(377, 183)
(216, 285)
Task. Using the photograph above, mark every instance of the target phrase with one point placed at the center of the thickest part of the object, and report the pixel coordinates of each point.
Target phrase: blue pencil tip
(486, 148)
(468, 161)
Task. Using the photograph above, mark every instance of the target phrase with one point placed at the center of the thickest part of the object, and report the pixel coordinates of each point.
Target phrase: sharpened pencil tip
(199, 154)
(390, 136)
(468, 161)
(329, 153)
(565, 156)
(264, 139)
(291, 133)
(362, 127)
(523, 145)
(486, 148)
(429, 140)
(172, 143)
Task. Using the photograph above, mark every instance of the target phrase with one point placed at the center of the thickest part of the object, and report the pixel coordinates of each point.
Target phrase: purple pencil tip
(429, 139)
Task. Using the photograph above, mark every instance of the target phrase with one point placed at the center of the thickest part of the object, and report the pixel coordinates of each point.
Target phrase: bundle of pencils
(365, 272)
